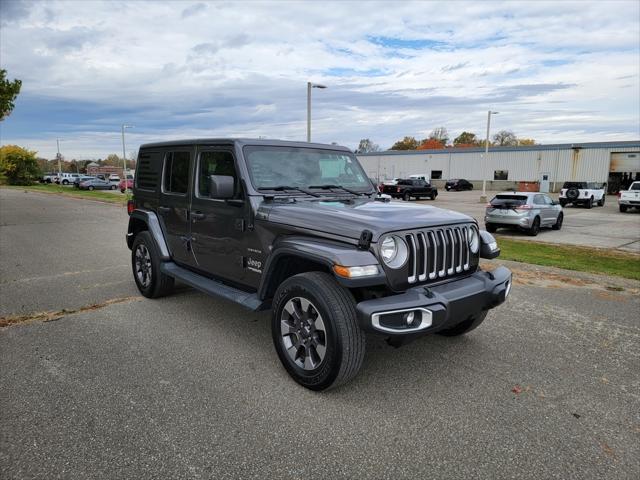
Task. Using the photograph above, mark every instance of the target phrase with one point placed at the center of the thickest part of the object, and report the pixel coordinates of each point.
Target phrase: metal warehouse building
(546, 166)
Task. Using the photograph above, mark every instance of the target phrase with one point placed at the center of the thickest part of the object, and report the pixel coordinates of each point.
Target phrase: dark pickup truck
(406, 189)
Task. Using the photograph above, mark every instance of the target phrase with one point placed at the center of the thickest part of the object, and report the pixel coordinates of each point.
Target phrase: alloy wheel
(303, 333)
(143, 265)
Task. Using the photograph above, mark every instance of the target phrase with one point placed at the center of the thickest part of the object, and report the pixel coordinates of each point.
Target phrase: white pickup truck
(629, 198)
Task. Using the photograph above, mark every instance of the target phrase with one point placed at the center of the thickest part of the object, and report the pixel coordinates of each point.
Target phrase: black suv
(298, 228)
(458, 184)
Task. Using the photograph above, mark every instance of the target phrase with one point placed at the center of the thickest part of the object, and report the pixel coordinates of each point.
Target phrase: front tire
(563, 203)
(491, 228)
(590, 203)
(65, 182)
(601, 201)
(623, 208)
(315, 331)
(406, 197)
(145, 262)
(465, 327)
(112, 187)
(90, 187)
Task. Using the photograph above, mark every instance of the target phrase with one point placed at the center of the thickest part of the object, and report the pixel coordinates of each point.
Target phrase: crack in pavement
(53, 315)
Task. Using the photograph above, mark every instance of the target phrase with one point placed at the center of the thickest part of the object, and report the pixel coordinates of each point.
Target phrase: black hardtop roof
(242, 142)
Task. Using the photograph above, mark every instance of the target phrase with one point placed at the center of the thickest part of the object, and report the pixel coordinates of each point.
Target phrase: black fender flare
(150, 219)
(325, 252)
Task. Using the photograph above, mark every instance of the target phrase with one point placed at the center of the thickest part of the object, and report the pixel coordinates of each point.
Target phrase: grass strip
(571, 257)
(98, 195)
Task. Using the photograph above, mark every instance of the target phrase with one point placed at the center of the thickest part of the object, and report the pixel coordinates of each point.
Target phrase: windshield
(508, 201)
(271, 166)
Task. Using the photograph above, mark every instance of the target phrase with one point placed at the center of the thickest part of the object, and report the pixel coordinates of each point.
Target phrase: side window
(538, 199)
(548, 200)
(176, 173)
(214, 163)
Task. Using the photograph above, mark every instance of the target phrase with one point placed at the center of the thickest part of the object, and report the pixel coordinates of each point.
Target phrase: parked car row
(67, 178)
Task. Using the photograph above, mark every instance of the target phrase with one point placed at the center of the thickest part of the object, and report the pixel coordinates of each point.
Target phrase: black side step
(212, 287)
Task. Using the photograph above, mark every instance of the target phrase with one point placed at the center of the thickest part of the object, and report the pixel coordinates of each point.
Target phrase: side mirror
(221, 186)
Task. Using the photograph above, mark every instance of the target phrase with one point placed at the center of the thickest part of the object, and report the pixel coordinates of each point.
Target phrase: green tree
(505, 138)
(19, 165)
(8, 93)
(466, 139)
(440, 134)
(367, 146)
(407, 143)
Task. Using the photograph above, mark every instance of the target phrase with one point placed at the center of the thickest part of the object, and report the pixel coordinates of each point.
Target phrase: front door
(173, 209)
(218, 226)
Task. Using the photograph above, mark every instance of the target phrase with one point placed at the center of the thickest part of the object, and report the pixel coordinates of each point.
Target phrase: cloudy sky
(556, 72)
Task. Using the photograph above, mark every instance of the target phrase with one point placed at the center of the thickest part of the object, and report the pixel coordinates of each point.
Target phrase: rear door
(541, 206)
(173, 209)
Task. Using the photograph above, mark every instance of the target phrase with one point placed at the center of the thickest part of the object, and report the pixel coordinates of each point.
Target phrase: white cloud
(558, 71)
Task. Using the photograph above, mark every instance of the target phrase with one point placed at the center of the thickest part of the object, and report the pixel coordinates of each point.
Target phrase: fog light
(409, 318)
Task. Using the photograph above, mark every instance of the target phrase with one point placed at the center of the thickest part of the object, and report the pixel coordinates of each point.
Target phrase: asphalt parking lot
(602, 227)
(108, 384)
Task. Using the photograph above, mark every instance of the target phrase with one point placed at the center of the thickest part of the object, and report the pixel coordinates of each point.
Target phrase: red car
(126, 186)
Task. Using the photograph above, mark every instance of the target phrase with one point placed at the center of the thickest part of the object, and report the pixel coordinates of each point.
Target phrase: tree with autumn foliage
(440, 134)
(430, 144)
(407, 143)
(19, 165)
(466, 140)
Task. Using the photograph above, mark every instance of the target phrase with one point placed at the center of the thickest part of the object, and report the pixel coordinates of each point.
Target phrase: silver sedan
(528, 211)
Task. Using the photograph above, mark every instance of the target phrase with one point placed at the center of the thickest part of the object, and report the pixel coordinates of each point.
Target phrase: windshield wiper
(348, 190)
(282, 188)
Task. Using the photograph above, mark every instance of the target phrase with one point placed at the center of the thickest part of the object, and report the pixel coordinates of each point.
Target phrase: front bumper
(441, 307)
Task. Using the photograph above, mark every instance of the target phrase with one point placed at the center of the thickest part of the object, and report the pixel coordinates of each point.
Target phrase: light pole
(59, 157)
(483, 198)
(124, 157)
(309, 87)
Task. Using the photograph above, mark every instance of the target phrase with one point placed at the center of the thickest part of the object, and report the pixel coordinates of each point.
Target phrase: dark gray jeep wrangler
(299, 228)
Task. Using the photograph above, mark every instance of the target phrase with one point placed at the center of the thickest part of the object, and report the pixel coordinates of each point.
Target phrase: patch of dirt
(52, 316)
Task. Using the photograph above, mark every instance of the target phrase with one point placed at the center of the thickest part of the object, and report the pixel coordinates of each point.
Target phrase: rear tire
(563, 203)
(535, 228)
(491, 227)
(433, 196)
(65, 182)
(406, 197)
(145, 262)
(112, 187)
(623, 208)
(464, 327)
(317, 354)
(90, 187)
(558, 224)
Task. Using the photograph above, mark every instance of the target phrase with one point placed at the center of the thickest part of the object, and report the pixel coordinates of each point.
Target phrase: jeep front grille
(438, 253)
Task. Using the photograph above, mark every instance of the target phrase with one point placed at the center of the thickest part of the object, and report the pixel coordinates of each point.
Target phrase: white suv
(67, 178)
(585, 193)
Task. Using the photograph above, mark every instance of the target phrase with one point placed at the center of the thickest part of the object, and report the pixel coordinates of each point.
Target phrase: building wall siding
(562, 164)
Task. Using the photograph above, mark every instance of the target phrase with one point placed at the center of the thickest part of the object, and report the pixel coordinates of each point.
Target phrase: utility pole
(58, 156)
(483, 197)
(124, 158)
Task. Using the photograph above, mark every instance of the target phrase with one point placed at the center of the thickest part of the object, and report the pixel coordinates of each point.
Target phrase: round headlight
(394, 251)
(389, 249)
(474, 240)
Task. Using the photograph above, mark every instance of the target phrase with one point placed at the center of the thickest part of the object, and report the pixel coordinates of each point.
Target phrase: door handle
(164, 209)
(197, 216)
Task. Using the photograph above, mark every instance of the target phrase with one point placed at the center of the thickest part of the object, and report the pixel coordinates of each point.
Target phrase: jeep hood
(350, 217)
